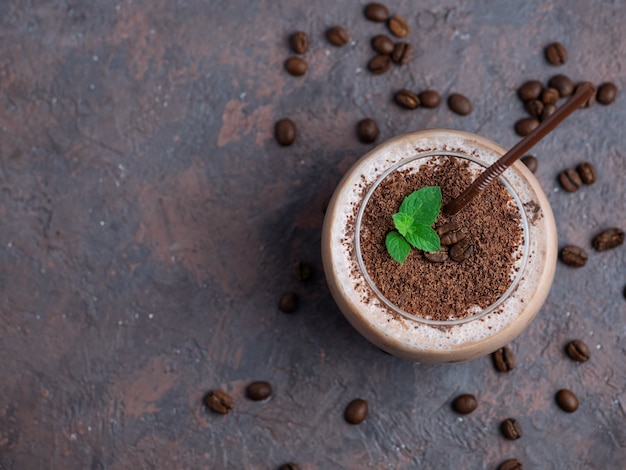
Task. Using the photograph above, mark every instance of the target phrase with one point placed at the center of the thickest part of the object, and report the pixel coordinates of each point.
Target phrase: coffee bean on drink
(429, 99)
(511, 429)
(535, 108)
(511, 464)
(563, 84)
(376, 12)
(578, 350)
(461, 251)
(548, 110)
(289, 466)
(398, 26)
(592, 100)
(337, 36)
(302, 271)
(587, 172)
(402, 53)
(450, 233)
(382, 44)
(567, 400)
(356, 411)
(288, 302)
(465, 404)
(367, 130)
(525, 126)
(550, 95)
(437, 256)
(504, 359)
(285, 131)
(407, 99)
(608, 239)
(531, 162)
(574, 256)
(379, 64)
(530, 90)
(459, 104)
(259, 390)
(606, 93)
(299, 42)
(556, 53)
(570, 180)
(219, 401)
(296, 66)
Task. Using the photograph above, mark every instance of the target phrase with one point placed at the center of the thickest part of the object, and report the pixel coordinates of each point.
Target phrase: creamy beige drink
(417, 336)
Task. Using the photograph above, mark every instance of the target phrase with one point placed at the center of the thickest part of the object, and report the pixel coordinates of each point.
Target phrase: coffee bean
(407, 99)
(465, 404)
(219, 401)
(398, 26)
(587, 172)
(382, 44)
(563, 84)
(574, 256)
(429, 99)
(296, 66)
(608, 239)
(379, 64)
(567, 400)
(459, 104)
(592, 100)
(578, 350)
(288, 302)
(299, 42)
(302, 271)
(461, 251)
(337, 36)
(285, 132)
(511, 429)
(367, 130)
(376, 12)
(402, 53)
(258, 391)
(450, 233)
(548, 110)
(289, 466)
(511, 464)
(531, 162)
(556, 53)
(530, 90)
(606, 93)
(570, 180)
(504, 359)
(535, 108)
(437, 256)
(550, 95)
(525, 126)
(356, 411)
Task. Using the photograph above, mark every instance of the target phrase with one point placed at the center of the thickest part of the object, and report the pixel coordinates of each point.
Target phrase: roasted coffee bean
(548, 110)
(567, 400)
(511, 464)
(530, 90)
(219, 401)
(289, 466)
(337, 36)
(367, 130)
(258, 391)
(356, 411)
(302, 271)
(556, 53)
(465, 404)
(459, 104)
(608, 239)
(570, 180)
(592, 100)
(288, 302)
(382, 44)
(436, 256)
(285, 131)
(574, 256)
(402, 53)
(606, 93)
(296, 66)
(504, 359)
(429, 98)
(376, 12)
(450, 233)
(578, 350)
(550, 95)
(299, 42)
(511, 429)
(379, 64)
(398, 26)
(525, 126)
(563, 84)
(461, 251)
(407, 99)
(587, 172)
(531, 162)
(535, 108)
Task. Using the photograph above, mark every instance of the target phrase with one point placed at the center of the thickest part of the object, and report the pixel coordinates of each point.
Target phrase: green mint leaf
(423, 205)
(397, 246)
(423, 238)
(403, 222)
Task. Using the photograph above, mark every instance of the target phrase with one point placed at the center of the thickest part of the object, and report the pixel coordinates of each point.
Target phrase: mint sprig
(418, 213)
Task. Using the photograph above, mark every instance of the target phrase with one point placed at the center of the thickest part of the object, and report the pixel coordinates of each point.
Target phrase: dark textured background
(150, 223)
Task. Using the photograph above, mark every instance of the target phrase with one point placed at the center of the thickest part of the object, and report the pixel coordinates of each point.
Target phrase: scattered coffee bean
(550, 95)
(367, 130)
(556, 53)
(376, 12)
(606, 93)
(574, 256)
(289, 466)
(608, 239)
(337, 36)
(563, 84)
(379, 64)
(587, 172)
(407, 99)
(624, 292)
(465, 404)
(578, 350)
(530, 90)
(567, 400)
(531, 162)
(288, 302)
(285, 132)
(258, 391)
(302, 271)
(356, 411)
(296, 66)
(429, 99)
(511, 429)
(398, 26)
(402, 53)
(219, 401)
(591, 101)
(299, 42)
(504, 359)
(535, 108)
(382, 44)
(570, 180)
(450, 233)
(511, 464)
(437, 256)
(526, 125)
(548, 110)
(459, 104)
(461, 251)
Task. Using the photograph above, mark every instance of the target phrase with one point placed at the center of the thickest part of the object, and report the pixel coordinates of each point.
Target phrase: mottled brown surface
(150, 223)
